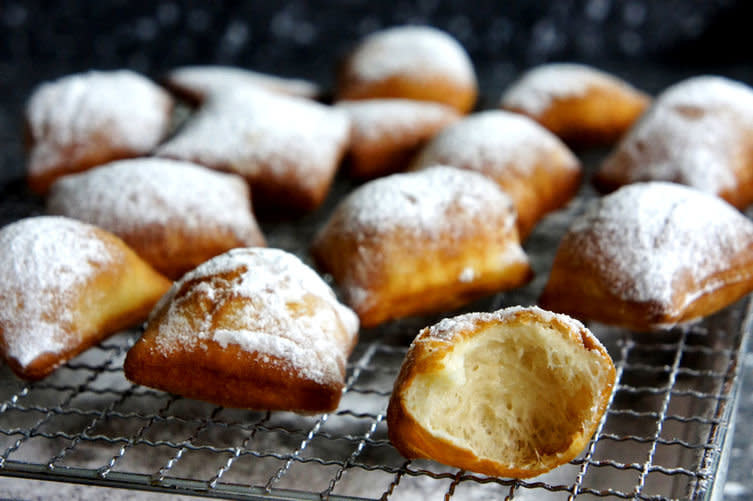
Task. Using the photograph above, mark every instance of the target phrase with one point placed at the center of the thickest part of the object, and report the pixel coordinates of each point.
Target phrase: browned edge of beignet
(414, 440)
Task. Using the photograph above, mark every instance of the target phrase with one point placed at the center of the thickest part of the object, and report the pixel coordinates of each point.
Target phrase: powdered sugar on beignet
(375, 119)
(453, 232)
(287, 148)
(198, 82)
(413, 62)
(419, 203)
(64, 286)
(81, 120)
(281, 310)
(174, 214)
(539, 87)
(652, 255)
(527, 161)
(43, 261)
(644, 236)
(697, 133)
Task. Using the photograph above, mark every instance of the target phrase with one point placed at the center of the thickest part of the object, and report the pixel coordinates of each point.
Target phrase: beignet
(580, 104)
(512, 393)
(386, 133)
(650, 256)
(251, 328)
(528, 162)
(195, 83)
(699, 132)
(87, 119)
(421, 242)
(175, 215)
(65, 286)
(411, 62)
(287, 148)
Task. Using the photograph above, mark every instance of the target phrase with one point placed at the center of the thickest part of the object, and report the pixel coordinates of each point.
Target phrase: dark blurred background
(651, 43)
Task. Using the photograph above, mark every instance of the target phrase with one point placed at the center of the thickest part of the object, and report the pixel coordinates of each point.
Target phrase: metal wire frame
(661, 438)
(697, 366)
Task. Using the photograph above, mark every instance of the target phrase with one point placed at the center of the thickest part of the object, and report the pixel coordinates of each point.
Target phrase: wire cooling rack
(663, 436)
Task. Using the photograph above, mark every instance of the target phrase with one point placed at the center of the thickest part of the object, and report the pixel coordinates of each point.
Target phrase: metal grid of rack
(662, 437)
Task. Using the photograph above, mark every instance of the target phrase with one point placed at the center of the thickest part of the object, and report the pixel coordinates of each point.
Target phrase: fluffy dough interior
(511, 394)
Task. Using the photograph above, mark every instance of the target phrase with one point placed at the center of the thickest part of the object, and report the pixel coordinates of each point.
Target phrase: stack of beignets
(421, 242)
(175, 215)
(512, 393)
(251, 328)
(65, 286)
(582, 105)
(529, 163)
(651, 256)
(87, 119)
(699, 132)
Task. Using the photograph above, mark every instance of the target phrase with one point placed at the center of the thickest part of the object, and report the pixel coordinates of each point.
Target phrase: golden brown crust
(386, 133)
(229, 376)
(409, 62)
(529, 163)
(651, 256)
(599, 117)
(175, 215)
(84, 120)
(427, 354)
(118, 295)
(672, 142)
(238, 335)
(464, 257)
(457, 95)
(95, 152)
(577, 287)
(287, 148)
(581, 104)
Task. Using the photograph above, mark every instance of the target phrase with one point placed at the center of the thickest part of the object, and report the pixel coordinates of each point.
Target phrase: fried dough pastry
(65, 286)
(699, 132)
(651, 256)
(195, 83)
(87, 119)
(287, 148)
(528, 162)
(175, 215)
(512, 393)
(386, 133)
(580, 104)
(421, 242)
(411, 62)
(251, 328)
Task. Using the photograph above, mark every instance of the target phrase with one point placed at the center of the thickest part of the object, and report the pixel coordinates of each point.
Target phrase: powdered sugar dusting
(467, 275)
(127, 196)
(257, 133)
(206, 80)
(692, 135)
(119, 109)
(647, 236)
(447, 328)
(419, 203)
(538, 87)
(276, 317)
(43, 260)
(497, 143)
(411, 50)
(392, 119)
